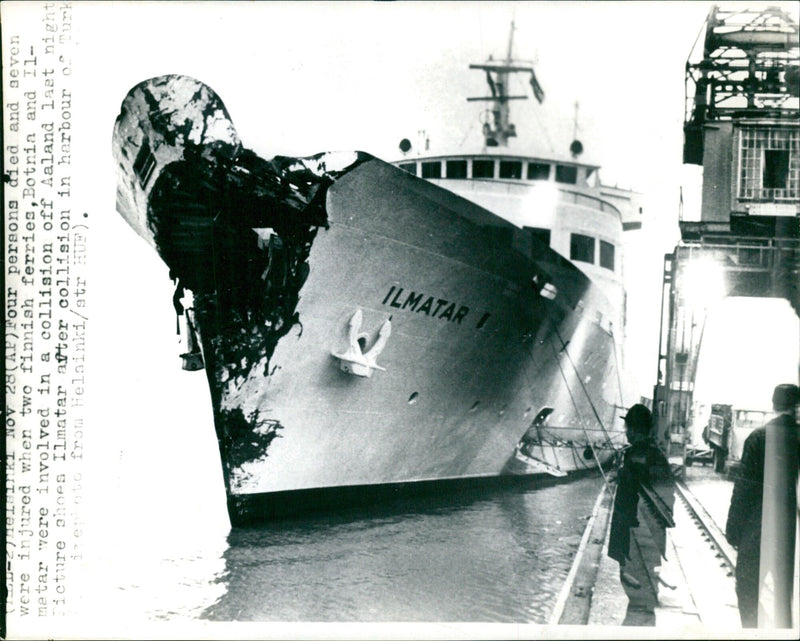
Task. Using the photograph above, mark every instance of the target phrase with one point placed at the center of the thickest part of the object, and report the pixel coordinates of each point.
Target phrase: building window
(510, 169)
(538, 171)
(483, 168)
(769, 161)
(581, 248)
(566, 174)
(776, 169)
(410, 167)
(606, 255)
(456, 168)
(144, 164)
(432, 169)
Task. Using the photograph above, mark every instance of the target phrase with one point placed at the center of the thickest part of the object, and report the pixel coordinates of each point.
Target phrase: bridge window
(483, 168)
(432, 169)
(144, 164)
(606, 255)
(456, 168)
(510, 169)
(541, 234)
(410, 167)
(566, 174)
(538, 171)
(581, 248)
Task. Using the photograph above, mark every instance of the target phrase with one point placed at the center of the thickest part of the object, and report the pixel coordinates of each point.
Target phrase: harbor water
(498, 556)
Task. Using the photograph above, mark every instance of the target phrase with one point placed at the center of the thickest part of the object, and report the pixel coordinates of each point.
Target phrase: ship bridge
(561, 204)
(574, 182)
(557, 199)
(505, 166)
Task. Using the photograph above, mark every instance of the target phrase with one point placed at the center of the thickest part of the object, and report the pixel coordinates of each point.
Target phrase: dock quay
(690, 592)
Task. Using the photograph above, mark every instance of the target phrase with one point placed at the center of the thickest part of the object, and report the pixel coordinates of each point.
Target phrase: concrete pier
(688, 594)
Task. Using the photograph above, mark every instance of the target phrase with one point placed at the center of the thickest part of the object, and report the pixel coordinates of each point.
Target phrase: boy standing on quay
(644, 467)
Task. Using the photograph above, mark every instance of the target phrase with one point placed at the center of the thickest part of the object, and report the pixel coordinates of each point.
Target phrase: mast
(500, 129)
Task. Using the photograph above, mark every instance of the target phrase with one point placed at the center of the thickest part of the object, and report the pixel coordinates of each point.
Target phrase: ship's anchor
(354, 360)
(193, 359)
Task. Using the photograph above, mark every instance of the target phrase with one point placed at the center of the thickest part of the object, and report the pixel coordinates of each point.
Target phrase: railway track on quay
(694, 585)
(710, 531)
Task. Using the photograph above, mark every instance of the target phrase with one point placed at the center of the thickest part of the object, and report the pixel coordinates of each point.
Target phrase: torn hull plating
(360, 327)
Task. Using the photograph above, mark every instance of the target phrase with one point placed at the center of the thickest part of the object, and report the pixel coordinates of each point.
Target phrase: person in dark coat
(643, 465)
(743, 527)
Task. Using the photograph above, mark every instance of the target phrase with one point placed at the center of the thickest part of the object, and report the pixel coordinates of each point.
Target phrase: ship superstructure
(364, 329)
(559, 199)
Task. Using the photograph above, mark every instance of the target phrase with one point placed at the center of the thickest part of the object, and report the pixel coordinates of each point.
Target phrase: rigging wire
(697, 38)
(543, 128)
(575, 405)
(575, 459)
(470, 129)
(538, 427)
(585, 391)
(541, 442)
(549, 438)
(691, 51)
(616, 365)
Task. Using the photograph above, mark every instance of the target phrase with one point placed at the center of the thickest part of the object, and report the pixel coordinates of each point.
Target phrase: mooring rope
(585, 391)
(616, 365)
(575, 405)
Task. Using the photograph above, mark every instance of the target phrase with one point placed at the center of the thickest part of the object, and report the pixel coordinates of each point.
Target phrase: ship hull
(461, 379)
(362, 330)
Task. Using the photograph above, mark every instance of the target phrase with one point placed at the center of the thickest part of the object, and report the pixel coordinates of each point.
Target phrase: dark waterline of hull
(254, 509)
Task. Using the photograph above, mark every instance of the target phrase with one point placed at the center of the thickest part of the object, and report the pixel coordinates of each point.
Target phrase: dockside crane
(742, 126)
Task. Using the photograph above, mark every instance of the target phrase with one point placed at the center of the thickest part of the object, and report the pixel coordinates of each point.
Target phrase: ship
(372, 328)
